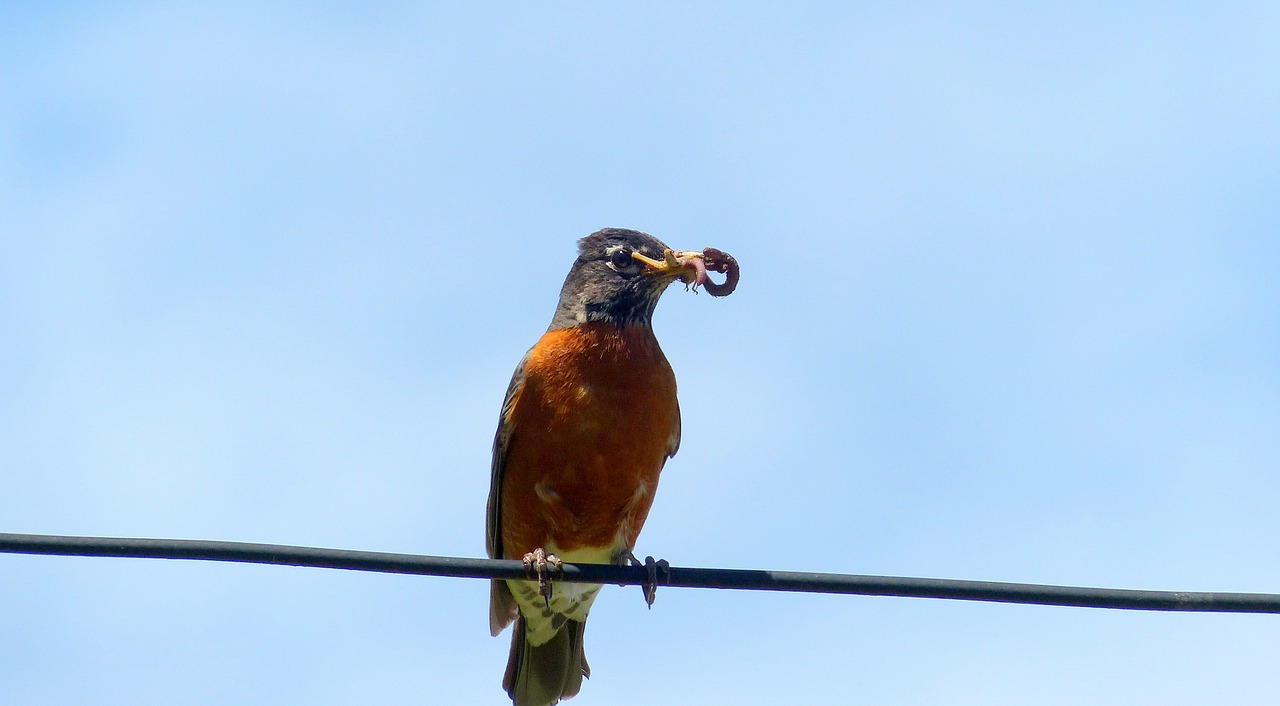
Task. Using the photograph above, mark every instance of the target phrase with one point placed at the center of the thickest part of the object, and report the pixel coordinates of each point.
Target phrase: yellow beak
(674, 264)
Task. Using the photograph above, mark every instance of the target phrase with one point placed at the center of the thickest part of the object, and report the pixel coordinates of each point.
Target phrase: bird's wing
(502, 605)
(673, 443)
(501, 442)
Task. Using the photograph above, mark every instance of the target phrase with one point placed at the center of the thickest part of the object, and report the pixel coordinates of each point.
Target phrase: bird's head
(619, 276)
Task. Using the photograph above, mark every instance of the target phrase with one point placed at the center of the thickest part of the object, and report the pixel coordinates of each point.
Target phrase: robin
(589, 420)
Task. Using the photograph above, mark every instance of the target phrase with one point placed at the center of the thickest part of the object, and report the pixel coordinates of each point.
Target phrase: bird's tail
(542, 675)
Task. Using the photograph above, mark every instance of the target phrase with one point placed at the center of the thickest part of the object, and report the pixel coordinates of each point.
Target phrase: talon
(651, 583)
(536, 563)
(652, 568)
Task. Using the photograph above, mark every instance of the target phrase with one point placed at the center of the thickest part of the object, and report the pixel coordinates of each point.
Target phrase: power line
(759, 580)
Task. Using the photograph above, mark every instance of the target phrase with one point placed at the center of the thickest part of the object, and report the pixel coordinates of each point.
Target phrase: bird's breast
(594, 422)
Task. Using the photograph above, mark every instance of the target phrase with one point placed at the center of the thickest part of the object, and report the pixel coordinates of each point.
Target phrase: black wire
(952, 589)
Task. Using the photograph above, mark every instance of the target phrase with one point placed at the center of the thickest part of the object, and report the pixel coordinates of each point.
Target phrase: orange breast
(592, 426)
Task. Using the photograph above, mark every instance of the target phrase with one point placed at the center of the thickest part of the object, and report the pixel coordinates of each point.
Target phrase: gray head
(618, 277)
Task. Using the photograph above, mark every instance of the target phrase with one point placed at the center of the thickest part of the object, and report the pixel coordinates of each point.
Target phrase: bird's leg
(651, 581)
(536, 563)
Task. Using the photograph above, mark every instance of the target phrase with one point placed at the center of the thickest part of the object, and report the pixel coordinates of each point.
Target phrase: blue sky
(1008, 312)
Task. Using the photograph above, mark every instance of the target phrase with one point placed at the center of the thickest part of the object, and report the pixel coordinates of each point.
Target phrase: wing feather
(502, 605)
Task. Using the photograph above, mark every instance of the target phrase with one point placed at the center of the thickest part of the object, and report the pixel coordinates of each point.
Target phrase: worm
(718, 261)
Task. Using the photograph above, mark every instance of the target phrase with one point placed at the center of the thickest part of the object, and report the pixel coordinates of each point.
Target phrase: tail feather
(502, 607)
(542, 675)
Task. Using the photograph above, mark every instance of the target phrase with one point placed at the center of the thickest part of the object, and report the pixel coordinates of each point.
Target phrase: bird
(589, 419)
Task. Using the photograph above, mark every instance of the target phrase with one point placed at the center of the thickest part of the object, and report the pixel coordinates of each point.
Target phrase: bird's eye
(621, 259)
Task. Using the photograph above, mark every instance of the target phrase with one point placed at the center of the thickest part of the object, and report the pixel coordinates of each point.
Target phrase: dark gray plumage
(539, 676)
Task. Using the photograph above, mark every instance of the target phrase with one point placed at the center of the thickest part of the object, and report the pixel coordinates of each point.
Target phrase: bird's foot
(652, 568)
(539, 565)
